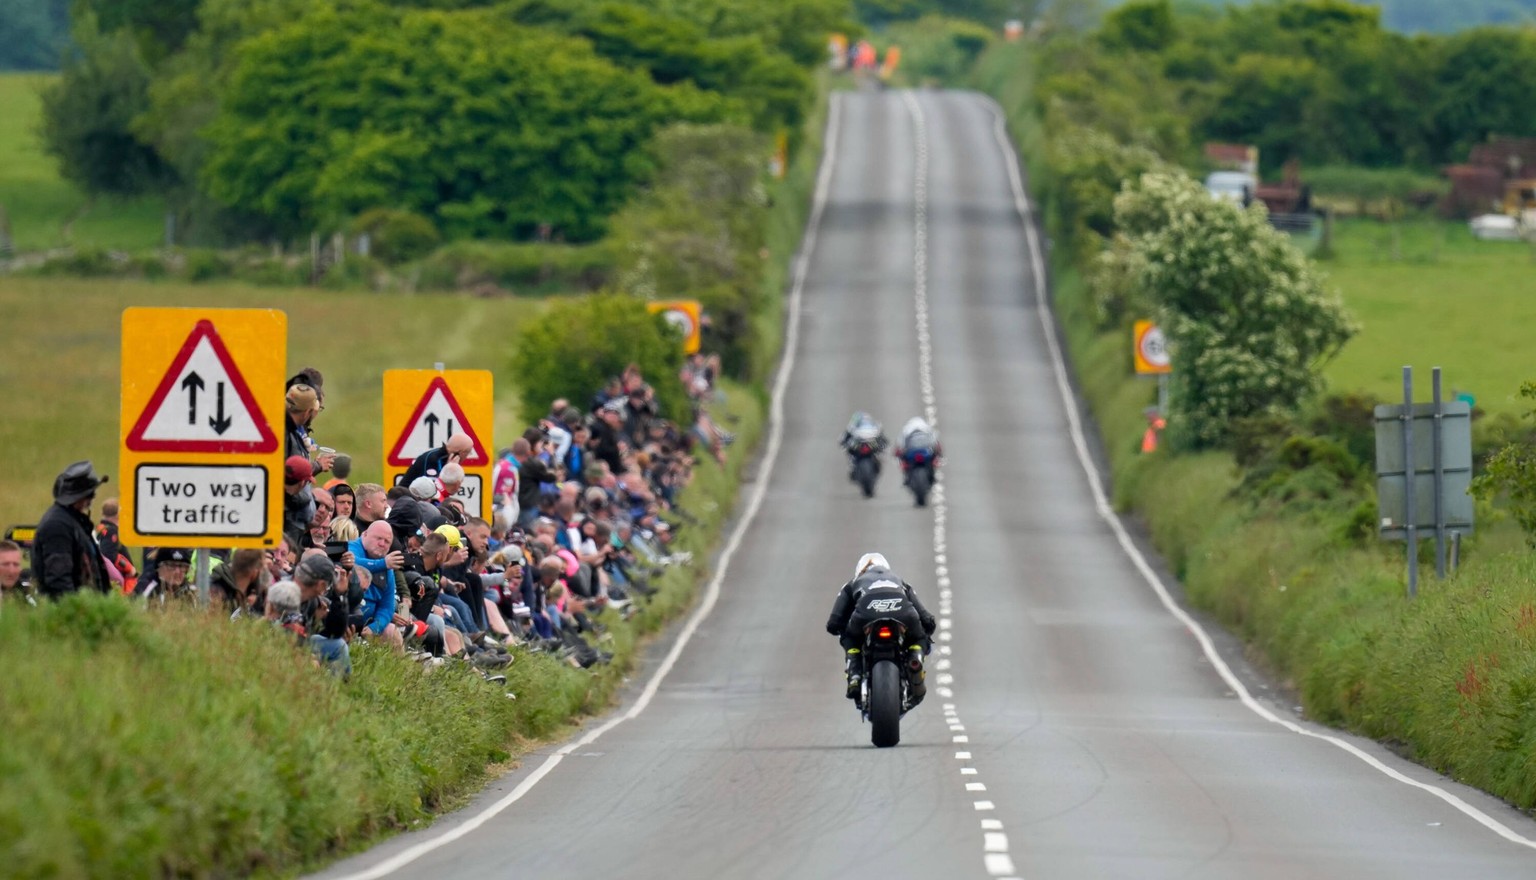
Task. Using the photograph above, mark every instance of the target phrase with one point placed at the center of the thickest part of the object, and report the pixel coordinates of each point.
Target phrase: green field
(46, 211)
(1427, 294)
(62, 374)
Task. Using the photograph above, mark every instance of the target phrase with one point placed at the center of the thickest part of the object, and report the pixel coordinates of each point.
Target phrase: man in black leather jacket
(877, 592)
(65, 556)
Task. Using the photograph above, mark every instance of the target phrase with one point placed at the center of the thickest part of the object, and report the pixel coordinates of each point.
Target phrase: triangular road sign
(436, 418)
(202, 404)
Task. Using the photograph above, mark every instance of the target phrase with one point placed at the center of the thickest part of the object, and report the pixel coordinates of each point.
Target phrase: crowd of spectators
(579, 523)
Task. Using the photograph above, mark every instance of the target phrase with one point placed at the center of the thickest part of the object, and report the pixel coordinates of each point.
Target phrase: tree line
(489, 118)
(1322, 81)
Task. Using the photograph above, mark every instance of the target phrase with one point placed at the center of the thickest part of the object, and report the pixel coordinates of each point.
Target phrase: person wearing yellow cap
(455, 540)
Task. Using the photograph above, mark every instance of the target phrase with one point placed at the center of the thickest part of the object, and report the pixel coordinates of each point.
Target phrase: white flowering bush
(1248, 320)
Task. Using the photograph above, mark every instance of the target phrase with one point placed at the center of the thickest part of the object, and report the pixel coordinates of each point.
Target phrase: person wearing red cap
(298, 501)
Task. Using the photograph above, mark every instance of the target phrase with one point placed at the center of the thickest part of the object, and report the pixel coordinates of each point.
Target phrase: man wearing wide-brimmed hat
(65, 556)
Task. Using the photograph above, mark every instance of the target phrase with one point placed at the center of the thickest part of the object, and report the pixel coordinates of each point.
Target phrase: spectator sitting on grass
(283, 600)
(325, 620)
(169, 580)
(342, 494)
(234, 583)
(375, 614)
(14, 582)
(371, 505)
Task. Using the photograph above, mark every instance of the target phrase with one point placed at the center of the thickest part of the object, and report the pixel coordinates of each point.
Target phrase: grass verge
(266, 764)
(1449, 679)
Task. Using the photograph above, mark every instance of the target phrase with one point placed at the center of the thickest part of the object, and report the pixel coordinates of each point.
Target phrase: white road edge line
(712, 591)
(1107, 512)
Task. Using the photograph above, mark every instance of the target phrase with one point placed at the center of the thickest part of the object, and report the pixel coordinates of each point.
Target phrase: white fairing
(868, 561)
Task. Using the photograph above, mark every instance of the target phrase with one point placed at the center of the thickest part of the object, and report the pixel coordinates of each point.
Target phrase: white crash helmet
(868, 561)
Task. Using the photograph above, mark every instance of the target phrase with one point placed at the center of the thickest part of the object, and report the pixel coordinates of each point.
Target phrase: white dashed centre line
(994, 844)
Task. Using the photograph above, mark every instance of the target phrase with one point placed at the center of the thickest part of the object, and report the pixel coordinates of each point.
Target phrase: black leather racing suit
(851, 613)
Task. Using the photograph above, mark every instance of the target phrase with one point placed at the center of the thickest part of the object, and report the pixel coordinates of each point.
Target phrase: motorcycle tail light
(919, 458)
(863, 448)
(883, 632)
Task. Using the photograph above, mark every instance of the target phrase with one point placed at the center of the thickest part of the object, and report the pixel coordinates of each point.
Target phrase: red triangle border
(203, 330)
(477, 456)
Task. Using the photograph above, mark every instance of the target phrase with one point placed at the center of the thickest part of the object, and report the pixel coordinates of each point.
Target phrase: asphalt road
(1101, 740)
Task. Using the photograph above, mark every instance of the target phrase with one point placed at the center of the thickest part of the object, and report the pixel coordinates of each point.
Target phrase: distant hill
(1433, 16)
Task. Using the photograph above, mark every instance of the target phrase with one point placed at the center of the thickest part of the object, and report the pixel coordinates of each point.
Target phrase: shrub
(206, 265)
(396, 235)
(578, 344)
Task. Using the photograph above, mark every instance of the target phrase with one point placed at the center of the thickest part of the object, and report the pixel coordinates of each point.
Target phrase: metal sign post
(1424, 472)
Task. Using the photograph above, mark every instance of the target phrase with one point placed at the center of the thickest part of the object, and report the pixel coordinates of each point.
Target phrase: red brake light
(920, 458)
(863, 448)
(883, 632)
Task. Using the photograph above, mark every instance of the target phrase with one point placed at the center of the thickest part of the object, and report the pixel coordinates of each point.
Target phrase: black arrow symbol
(450, 431)
(219, 422)
(431, 421)
(192, 384)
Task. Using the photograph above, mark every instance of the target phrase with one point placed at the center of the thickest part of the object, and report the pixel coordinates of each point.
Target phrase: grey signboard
(1444, 487)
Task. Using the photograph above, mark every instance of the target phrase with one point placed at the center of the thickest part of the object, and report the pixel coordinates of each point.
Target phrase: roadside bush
(579, 343)
(206, 265)
(1511, 474)
(396, 235)
(87, 262)
(1248, 320)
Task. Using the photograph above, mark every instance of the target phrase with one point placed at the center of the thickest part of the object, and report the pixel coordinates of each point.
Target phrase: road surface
(1084, 734)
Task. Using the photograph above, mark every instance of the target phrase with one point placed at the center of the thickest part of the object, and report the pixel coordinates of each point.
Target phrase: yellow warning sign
(423, 408)
(201, 426)
(683, 314)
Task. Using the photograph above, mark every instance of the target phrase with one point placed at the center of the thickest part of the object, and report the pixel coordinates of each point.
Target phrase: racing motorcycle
(885, 688)
(919, 467)
(865, 447)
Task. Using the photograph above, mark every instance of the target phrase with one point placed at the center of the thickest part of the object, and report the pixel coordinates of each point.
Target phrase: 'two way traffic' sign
(423, 408)
(200, 423)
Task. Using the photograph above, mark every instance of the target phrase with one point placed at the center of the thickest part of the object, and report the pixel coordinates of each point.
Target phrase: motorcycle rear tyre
(864, 472)
(921, 480)
(885, 704)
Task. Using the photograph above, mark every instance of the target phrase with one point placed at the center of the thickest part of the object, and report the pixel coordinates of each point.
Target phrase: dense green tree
(1142, 26)
(1485, 81)
(1248, 319)
(674, 49)
(484, 126)
(88, 114)
(160, 26)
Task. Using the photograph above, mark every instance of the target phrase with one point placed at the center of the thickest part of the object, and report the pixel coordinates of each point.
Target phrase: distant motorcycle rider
(873, 580)
(918, 436)
(863, 428)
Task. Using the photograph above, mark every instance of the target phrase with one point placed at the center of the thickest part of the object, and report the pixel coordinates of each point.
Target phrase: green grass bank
(1448, 679)
(146, 743)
